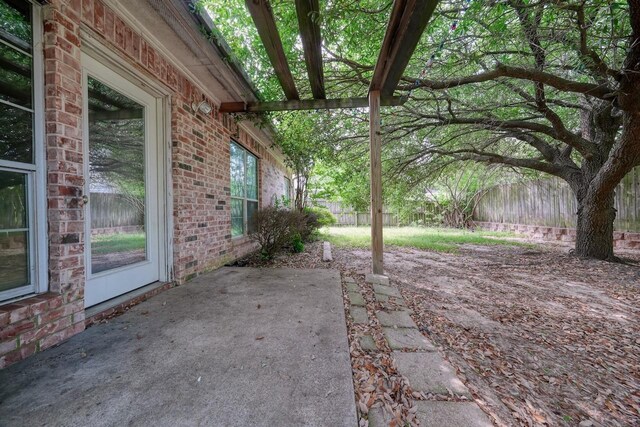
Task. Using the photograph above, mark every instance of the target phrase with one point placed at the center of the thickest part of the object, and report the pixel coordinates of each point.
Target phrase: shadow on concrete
(236, 347)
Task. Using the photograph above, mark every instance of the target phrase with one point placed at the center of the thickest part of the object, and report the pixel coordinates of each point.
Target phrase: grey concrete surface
(387, 290)
(376, 279)
(326, 252)
(352, 287)
(394, 300)
(409, 338)
(367, 343)
(355, 298)
(451, 414)
(359, 314)
(430, 373)
(400, 319)
(438, 414)
(237, 347)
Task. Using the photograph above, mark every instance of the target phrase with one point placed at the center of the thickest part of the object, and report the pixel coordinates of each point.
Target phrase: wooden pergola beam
(375, 149)
(408, 20)
(307, 104)
(308, 12)
(262, 15)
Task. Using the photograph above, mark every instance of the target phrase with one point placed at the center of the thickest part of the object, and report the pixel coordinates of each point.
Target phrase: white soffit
(207, 70)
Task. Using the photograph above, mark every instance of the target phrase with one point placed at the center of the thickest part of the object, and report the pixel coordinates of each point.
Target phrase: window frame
(35, 172)
(245, 199)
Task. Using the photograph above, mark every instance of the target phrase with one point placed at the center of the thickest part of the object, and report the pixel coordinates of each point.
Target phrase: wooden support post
(375, 138)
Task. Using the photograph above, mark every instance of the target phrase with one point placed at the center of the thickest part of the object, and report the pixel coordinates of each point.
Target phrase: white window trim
(245, 199)
(37, 177)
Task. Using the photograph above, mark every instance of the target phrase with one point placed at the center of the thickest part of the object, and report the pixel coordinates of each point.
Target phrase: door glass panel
(14, 231)
(116, 178)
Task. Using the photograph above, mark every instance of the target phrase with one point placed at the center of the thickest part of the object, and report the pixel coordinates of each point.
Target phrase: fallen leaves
(554, 339)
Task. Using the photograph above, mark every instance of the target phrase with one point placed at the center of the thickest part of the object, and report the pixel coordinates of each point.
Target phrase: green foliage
(297, 245)
(433, 239)
(324, 217)
(444, 124)
(118, 242)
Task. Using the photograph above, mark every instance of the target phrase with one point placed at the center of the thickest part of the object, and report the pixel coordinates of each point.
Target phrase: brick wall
(200, 175)
(622, 240)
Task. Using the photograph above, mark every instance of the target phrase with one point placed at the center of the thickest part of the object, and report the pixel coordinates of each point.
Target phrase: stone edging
(621, 240)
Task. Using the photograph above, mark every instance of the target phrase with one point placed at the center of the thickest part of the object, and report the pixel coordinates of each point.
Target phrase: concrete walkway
(237, 347)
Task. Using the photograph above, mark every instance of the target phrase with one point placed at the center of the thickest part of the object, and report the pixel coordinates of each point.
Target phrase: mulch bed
(538, 336)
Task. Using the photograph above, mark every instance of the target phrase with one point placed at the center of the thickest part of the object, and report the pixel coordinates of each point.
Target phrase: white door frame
(98, 63)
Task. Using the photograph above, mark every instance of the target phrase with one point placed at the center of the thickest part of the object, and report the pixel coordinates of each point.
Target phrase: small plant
(297, 245)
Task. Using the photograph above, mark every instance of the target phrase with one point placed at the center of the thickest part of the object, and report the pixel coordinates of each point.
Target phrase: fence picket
(551, 203)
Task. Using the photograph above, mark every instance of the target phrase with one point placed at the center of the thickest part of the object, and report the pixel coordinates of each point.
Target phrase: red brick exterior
(621, 240)
(200, 175)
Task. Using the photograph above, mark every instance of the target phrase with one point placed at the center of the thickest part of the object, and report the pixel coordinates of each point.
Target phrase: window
(244, 189)
(19, 113)
(286, 189)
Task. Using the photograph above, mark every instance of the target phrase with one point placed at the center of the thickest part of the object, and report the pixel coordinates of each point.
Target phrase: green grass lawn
(114, 243)
(434, 239)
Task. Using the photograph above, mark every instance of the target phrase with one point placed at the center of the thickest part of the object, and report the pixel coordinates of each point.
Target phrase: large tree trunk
(594, 228)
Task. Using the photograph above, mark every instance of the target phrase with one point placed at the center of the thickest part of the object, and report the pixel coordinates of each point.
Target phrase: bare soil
(540, 337)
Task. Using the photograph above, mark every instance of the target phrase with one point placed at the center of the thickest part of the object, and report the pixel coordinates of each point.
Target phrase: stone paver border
(425, 369)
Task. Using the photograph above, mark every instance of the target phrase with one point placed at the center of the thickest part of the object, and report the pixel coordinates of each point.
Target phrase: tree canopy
(542, 85)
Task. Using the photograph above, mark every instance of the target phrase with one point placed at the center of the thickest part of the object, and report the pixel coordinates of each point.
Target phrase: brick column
(63, 117)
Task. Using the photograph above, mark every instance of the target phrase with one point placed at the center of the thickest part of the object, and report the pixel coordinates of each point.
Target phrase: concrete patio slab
(409, 338)
(430, 373)
(237, 347)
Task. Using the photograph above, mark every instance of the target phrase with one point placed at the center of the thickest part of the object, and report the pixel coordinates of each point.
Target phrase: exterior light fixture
(203, 107)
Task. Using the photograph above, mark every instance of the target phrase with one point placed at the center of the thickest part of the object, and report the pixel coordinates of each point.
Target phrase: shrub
(310, 226)
(274, 229)
(315, 218)
(324, 215)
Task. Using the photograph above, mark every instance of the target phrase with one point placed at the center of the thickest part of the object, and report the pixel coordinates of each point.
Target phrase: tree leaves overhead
(351, 29)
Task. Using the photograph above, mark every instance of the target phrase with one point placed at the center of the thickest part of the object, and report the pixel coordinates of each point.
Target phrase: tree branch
(596, 90)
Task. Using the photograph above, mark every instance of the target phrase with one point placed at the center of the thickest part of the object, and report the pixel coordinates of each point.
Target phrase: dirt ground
(539, 336)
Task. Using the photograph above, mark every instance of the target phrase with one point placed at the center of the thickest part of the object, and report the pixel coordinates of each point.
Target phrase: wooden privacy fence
(110, 210)
(426, 214)
(551, 203)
